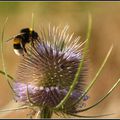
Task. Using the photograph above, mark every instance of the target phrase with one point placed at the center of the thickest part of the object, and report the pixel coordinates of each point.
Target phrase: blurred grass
(105, 31)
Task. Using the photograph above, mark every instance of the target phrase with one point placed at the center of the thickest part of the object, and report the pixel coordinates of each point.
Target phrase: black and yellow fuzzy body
(26, 35)
(18, 49)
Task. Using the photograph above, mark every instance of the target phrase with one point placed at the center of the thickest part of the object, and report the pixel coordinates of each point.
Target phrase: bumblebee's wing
(10, 39)
(13, 37)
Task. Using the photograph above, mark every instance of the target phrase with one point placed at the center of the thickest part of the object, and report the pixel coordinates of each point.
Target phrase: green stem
(37, 115)
(105, 96)
(3, 73)
(79, 67)
(95, 78)
(95, 116)
(32, 23)
(2, 54)
(46, 112)
(14, 109)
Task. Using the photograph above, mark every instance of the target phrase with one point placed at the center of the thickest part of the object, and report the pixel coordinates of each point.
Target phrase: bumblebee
(26, 35)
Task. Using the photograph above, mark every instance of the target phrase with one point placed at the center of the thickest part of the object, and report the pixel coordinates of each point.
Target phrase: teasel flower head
(47, 71)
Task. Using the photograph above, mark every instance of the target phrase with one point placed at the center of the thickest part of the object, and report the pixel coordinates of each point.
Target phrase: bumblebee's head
(30, 31)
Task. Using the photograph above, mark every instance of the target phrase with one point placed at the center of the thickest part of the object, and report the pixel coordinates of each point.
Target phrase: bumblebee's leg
(24, 49)
(32, 42)
(23, 46)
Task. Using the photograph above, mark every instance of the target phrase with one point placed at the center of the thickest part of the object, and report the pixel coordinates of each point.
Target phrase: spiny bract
(47, 71)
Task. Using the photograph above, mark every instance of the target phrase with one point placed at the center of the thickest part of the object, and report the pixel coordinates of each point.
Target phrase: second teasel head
(47, 71)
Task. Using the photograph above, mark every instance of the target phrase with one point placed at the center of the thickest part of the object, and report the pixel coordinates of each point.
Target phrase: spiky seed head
(47, 71)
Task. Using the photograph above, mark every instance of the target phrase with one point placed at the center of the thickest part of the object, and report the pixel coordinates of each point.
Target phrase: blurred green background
(105, 32)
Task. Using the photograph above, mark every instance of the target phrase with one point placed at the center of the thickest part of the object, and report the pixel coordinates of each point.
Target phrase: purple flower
(45, 74)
